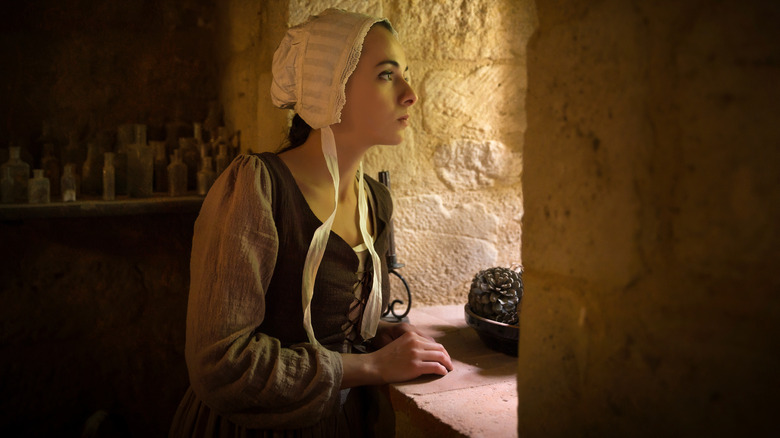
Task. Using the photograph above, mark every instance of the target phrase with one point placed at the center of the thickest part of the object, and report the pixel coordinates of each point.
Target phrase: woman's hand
(387, 332)
(408, 356)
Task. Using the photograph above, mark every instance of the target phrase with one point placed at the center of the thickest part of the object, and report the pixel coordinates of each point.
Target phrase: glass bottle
(197, 132)
(205, 176)
(68, 183)
(20, 173)
(221, 138)
(109, 177)
(39, 190)
(212, 121)
(125, 135)
(139, 134)
(7, 183)
(91, 171)
(190, 155)
(73, 152)
(235, 145)
(177, 175)
(223, 160)
(51, 168)
(140, 170)
(120, 170)
(160, 166)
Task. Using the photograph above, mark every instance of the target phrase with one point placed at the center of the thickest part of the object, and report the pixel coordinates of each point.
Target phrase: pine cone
(496, 293)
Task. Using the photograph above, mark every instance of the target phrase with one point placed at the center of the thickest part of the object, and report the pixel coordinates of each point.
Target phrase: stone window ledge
(122, 206)
(477, 399)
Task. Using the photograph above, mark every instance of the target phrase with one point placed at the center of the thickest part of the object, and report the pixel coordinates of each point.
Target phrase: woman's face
(378, 94)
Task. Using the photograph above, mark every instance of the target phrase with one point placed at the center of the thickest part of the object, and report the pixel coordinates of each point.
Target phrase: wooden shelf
(122, 206)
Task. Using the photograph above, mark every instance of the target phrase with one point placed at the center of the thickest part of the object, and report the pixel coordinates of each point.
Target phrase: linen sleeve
(240, 373)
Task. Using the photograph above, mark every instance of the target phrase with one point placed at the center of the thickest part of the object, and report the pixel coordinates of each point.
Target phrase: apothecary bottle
(7, 184)
(177, 175)
(38, 189)
(140, 170)
(91, 171)
(120, 170)
(73, 153)
(160, 166)
(205, 176)
(20, 174)
(109, 177)
(235, 144)
(51, 168)
(223, 159)
(190, 155)
(68, 183)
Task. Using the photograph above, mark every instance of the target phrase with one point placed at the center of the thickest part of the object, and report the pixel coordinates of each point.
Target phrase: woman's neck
(309, 162)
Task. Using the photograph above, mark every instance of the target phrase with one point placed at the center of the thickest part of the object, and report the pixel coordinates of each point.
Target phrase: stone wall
(456, 177)
(650, 236)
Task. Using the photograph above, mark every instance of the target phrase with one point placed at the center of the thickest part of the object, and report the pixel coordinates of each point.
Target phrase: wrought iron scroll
(392, 262)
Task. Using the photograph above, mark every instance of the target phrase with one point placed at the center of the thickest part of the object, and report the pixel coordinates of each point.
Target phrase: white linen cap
(313, 62)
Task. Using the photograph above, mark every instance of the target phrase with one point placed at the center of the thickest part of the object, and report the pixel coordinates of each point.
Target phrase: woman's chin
(398, 139)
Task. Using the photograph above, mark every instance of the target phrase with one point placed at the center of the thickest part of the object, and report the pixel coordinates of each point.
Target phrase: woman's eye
(386, 75)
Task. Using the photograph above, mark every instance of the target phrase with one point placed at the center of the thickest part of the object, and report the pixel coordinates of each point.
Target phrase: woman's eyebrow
(391, 62)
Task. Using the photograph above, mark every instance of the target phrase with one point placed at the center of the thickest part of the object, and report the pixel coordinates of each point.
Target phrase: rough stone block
(464, 30)
(428, 213)
(300, 10)
(443, 264)
(447, 246)
(487, 101)
(470, 164)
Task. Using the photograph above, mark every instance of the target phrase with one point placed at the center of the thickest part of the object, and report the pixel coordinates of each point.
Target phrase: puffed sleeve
(234, 369)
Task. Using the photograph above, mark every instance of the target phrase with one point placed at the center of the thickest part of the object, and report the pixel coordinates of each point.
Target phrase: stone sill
(477, 399)
(92, 207)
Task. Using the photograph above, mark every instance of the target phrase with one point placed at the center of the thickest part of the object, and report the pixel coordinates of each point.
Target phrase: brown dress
(252, 370)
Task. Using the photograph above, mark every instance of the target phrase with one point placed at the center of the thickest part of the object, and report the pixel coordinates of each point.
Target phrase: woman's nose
(409, 97)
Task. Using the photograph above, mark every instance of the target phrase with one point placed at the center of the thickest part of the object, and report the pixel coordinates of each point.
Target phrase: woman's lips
(404, 120)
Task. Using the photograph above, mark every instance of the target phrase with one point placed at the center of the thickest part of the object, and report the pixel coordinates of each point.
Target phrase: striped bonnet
(314, 61)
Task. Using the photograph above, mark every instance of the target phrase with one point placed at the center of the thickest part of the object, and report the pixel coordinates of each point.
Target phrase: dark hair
(299, 132)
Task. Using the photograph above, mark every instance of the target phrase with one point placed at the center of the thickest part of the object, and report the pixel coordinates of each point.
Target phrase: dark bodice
(337, 274)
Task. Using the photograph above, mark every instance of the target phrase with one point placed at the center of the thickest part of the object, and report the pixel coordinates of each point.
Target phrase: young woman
(288, 270)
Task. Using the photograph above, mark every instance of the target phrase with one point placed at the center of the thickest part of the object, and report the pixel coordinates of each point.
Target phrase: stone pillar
(650, 236)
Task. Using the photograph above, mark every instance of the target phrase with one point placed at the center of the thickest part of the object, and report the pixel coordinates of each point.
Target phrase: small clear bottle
(91, 171)
(160, 166)
(20, 173)
(190, 156)
(177, 175)
(109, 177)
(7, 183)
(39, 189)
(120, 167)
(73, 152)
(223, 159)
(205, 176)
(235, 145)
(140, 171)
(68, 183)
(51, 168)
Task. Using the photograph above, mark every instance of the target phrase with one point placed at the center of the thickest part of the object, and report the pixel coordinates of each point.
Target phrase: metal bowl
(496, 335)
